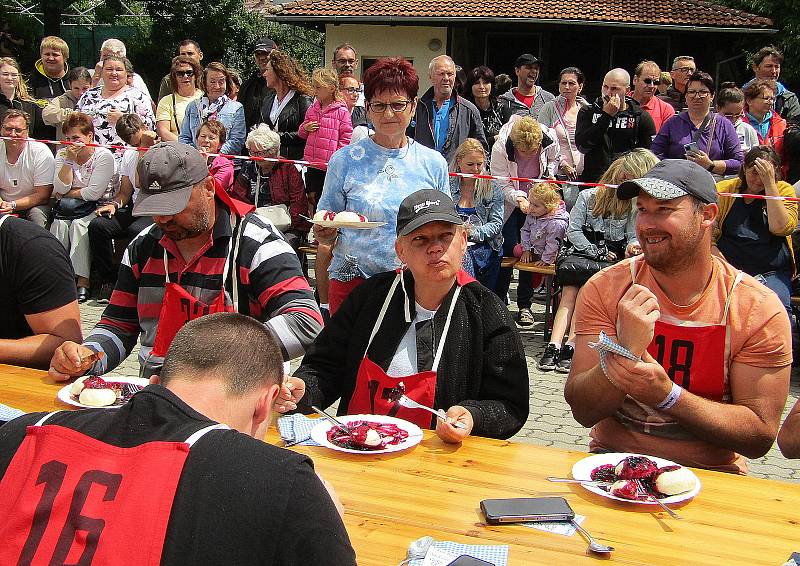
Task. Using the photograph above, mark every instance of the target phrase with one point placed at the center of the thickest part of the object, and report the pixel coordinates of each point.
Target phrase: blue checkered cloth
(9, 413)
(494, 554)
(604, 345)
(297, 427)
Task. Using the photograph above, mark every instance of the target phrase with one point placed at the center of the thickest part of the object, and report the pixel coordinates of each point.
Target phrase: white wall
(372, 41)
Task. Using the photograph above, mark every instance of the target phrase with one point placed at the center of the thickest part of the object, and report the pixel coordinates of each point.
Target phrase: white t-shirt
(404, 362)
(128, 169)
(34, 168)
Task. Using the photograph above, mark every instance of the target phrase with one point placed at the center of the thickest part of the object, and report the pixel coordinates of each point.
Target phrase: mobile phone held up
(526, 509)
(691, 147)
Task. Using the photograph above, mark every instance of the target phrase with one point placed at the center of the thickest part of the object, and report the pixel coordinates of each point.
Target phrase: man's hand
(71, 360)
(612, 105)
(637, 313)
(447, 432)
(106, 210)
(645, 381)
(292, 391)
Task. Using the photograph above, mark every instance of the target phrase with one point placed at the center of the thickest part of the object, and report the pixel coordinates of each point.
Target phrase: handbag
(68, 208)
(278, 214)
(575, 267)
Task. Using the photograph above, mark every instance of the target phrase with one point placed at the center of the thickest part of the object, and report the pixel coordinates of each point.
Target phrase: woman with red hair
(373, 176)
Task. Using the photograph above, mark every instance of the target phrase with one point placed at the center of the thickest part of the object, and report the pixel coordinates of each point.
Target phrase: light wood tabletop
(435, 489)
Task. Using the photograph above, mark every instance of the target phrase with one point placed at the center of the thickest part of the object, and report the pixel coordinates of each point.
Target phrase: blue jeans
(781, 283)
(511, 237)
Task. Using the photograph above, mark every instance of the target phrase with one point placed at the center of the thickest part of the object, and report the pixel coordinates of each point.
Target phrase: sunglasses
(652, 81)
(188, 73)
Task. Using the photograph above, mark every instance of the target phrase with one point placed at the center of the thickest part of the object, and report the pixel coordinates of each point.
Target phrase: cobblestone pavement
(550, 422)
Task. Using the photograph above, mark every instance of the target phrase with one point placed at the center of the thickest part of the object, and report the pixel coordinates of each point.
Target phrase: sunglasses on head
(652, 81)
(188, 73)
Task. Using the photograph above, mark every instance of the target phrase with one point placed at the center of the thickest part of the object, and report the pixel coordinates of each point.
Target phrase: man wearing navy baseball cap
(448, 339)
(679, 354)
(526, 99)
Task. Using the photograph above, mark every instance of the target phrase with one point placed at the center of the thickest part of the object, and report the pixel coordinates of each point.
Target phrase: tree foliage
(786, 18)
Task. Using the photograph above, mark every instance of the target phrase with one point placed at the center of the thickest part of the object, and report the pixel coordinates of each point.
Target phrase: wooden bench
(549, 271)
(308, 249)
(507, 262)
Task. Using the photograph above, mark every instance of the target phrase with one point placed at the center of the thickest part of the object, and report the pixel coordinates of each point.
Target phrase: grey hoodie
(510, 101)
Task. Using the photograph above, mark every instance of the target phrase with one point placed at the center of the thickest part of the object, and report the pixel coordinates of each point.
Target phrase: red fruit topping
(330, 215)
(96, 382)
(628, 489)
(636, 467)
(362, 218)
(357, 440)
(395, 393)
(603, 473)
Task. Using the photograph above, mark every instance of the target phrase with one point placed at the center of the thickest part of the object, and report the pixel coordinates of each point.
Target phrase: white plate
(582, 470)
(64, 395)
(339, 224)
(320, 433)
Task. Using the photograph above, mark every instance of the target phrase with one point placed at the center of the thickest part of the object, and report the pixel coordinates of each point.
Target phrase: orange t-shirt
(760, 336)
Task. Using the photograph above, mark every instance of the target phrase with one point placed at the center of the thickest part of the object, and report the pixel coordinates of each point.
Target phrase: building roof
(673, 14)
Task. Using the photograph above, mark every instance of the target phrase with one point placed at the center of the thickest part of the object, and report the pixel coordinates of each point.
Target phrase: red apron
(371, 392)
(694, 355)
(77, 500)
(179, 307)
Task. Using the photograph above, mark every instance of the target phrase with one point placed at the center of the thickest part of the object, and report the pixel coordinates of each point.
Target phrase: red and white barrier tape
(452, 174)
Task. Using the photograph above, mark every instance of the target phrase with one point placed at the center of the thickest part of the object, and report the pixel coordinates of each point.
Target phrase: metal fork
(409, 403)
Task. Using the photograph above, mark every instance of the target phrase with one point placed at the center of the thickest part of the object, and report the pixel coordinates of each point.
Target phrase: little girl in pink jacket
(326, 128)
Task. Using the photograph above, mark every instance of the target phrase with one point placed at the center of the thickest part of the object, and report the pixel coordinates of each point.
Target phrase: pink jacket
(334, 130)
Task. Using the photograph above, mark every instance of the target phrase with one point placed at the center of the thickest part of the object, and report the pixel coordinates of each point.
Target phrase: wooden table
(435, 489)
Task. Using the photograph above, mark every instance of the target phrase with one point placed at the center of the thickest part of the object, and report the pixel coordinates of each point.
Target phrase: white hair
(115, 45)
(263, 138)
(433, 62)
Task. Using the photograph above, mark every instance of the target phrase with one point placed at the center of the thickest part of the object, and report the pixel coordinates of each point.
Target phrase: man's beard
(176, 232)
(679, 253)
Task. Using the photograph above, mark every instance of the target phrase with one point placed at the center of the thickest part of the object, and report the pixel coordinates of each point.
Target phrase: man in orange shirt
(646, 79)
(712, 346)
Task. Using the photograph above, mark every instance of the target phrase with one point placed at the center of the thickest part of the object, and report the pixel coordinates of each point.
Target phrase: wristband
(711, 167)
(671, 398)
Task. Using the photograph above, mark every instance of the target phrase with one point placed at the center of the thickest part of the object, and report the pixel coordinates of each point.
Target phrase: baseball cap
(422, 207)
(672, 178)
(527, 59)
(264, 44)
(167, 173)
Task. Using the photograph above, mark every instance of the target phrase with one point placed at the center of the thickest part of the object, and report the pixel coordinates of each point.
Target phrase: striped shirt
(272, 289)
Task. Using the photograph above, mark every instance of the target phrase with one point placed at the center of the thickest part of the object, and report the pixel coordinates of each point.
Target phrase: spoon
(594, 546)
(417, 549)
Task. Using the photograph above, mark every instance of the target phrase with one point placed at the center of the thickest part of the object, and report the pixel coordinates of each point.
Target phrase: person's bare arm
(40, 195)
(591, 396)
(789, 435)
(162, 128)
(747, 425)
(50, 329)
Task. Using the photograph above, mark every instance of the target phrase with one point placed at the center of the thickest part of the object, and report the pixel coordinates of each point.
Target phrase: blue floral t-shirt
(373, 180)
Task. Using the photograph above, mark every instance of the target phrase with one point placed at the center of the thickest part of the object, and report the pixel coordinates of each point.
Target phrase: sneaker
(565, 359)
(104, 294)
(525, 318)
(548, 360)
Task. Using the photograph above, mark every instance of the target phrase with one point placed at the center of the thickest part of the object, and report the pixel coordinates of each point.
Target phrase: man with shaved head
(614, 125)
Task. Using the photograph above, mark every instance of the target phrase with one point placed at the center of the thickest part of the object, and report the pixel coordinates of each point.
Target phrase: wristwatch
(13, 204)
(711, 167)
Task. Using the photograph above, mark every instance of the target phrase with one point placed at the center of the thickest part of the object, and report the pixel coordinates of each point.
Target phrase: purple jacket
(334, 131)
(543, 235)
(678, 131)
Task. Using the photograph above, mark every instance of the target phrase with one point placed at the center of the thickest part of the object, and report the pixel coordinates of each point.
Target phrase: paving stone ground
(550, 422)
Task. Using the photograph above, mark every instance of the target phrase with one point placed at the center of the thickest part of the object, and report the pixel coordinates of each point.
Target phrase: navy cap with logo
(526, 59)
(422, 207)
(264, 44)
(672, 178)
(167, 174)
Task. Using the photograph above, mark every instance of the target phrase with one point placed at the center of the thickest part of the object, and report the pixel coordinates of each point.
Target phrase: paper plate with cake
(343, 219)
(93, 391)
(368, 434)
(634, 478)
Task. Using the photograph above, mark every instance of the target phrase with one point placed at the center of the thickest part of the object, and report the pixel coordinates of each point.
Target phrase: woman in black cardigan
(284, 108)
(482, 378)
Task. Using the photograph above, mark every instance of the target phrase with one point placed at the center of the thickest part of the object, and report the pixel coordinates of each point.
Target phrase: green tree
(786, 19)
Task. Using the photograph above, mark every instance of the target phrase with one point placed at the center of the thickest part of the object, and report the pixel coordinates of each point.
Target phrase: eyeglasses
(732, 115)
(352, 89)
(652, 81)
(12, 130)
(698, 93)
(346, 61)
(767, 98)
(10, 75)
(684, 69)
(397, 106)
(188, 73)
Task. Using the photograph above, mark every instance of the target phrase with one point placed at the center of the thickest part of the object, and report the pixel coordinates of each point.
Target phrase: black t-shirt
(747, 243)
(239, 501)
(35, 275)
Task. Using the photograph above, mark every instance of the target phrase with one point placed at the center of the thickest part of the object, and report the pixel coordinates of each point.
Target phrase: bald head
(618, 76)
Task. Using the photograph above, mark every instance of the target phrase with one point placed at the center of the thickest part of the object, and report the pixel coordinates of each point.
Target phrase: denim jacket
(231, 115)
(489, 210)
(614, 229)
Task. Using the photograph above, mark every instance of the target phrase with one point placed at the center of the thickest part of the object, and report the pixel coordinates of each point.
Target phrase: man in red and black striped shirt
(175, 270)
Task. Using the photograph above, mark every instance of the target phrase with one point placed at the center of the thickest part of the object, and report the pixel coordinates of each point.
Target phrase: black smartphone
(524, 509)
(691, 147)
(467, 560)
